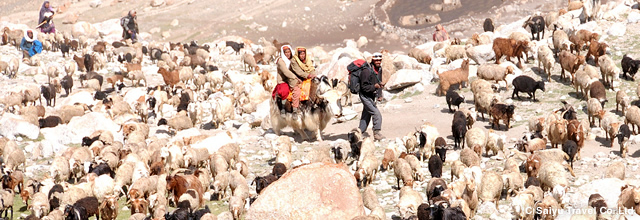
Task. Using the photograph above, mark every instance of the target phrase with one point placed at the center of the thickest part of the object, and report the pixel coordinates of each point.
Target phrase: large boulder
(362, 41)
(481, 54)
(617, 29)
(314, 191)
(404, 78)
(13, 125)
(89, 123)
(84, 28)
(213, 143)
(109, 27)
(404, 62)
(610, 193)
(338, 69)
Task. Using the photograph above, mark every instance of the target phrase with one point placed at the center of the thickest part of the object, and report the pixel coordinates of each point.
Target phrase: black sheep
(67, 83)
(598, 91)
(100, 95)
(453, 98)
(441, 148)
(178, 214)
(87, 141)
(355, 143)
(100, 169)
(236, 46)
(64, 48)
(50, 121)
(75, 213)
(54, 201)
(459, 130)
(426, 211)
(200, 212)
(528, 85)
(571, 148)
(453, 213)
(91, 75)
(262, 182)
(89, 204)
(49, 93)
(278, 170)
(629, 65)
(624, 133)
(145, 50)
(88, 63)
(184, 101)
(537, 25)
(435, 167)
(210, 68)
(488, 25)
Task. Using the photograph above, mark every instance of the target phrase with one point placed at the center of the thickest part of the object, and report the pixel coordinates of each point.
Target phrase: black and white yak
(313, 119)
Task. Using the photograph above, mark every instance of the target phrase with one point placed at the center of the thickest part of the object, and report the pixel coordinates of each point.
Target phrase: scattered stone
(617, 29)
(175, 23)
(95, 3)
(342, 27)
(157, 3)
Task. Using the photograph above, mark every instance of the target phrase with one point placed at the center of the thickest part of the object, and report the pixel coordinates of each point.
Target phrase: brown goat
(596, 49)
(170, 78)
(586, 36)
(451, 77)
(132, 66)
(115, 78)
(570, 63)
(179, 184)
(575, 133)
(533, 165)
(502, 112)
(109, 208)
(80, 62)
(509, 48)
(139, 205)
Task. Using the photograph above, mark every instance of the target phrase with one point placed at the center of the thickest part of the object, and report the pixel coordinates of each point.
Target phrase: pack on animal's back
(355, 68)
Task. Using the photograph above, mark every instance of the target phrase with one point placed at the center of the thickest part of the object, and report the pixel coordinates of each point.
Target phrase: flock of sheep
(154, 174)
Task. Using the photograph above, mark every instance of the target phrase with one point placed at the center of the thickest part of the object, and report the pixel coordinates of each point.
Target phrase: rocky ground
(403, 111)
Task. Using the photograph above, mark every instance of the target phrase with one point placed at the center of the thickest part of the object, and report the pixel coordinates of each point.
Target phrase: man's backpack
(122, 21)
(355, 68)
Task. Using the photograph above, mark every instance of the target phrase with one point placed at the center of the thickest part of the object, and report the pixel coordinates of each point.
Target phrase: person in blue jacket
(30, 45)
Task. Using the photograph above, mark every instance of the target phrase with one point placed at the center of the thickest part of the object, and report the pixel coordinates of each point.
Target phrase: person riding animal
(294, 73)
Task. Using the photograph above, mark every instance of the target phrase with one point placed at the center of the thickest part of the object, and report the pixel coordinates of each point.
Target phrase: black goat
(50, 121)
(537, 25)
(49, 93)
(67, 83)
(235, 45)
(101, 169)
(528, 85)
(453, 98)
(262, 182)
(629, 65)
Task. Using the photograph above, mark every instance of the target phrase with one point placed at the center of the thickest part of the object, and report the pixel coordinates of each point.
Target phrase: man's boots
(377, 135)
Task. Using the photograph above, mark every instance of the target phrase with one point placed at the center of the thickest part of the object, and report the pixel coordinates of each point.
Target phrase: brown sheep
(171, 78)
(570, 63)
(420, 55)
(584, 37)
(575, 132)
(629, 198)
(451, 77)
(115, 78)
(509, 48)
(596, 49)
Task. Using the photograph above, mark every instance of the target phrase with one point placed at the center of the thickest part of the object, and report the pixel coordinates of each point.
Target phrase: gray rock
(610, 193)
(481, 54)
(89, 123)
(157, 3)
(404, 78)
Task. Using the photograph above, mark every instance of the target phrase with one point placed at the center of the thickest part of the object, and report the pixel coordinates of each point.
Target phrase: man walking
(371, 91)
(129, 25)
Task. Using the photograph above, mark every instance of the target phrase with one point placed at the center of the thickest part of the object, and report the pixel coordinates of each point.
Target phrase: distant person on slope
(30, 45)
(45, 22)
(440, 34)
(129, 25)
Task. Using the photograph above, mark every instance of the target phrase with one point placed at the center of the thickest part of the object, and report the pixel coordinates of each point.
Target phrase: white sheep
(402, 171)
(495, 72)
(102, 185)
(483, 101)
(186, 74)
(520, 205)
(608, 69)
(60, 169)
(408, 202)
(552, 174)
(622, 99)
(594, 110)
(582, 82)
(236, 206)
(429, 149)
(457, 169)
(632, 118)
(513, 182)
(39, 205)
(416, 167)
(369, 198)
(454, 52)
(367, 169)
(476, 139)
(545, 56)
(490, 188)
(560, 41)
(495, 143)
(223, 110)
(220, 184)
